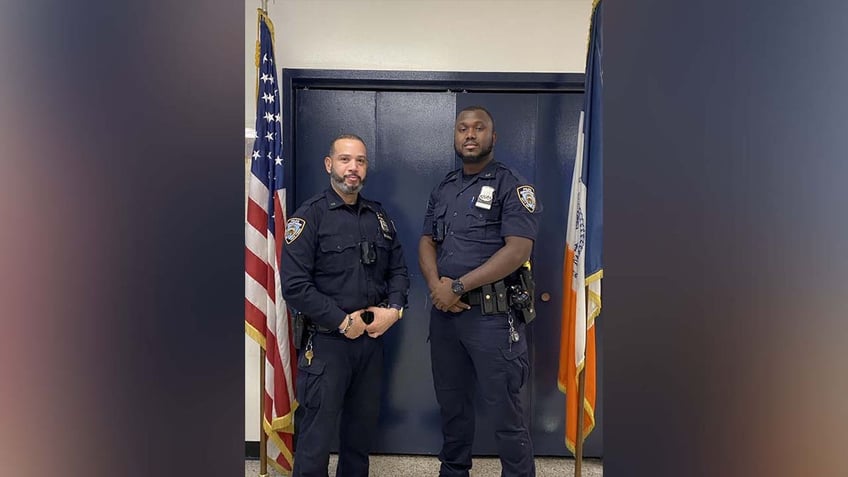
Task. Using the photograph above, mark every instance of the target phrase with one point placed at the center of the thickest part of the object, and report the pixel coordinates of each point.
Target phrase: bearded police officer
(479, 229)
(344, 274)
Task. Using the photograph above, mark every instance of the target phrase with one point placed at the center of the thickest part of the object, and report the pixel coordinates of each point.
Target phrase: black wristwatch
(457, 287)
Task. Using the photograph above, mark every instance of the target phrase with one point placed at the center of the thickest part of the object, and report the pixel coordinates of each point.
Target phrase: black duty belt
(473, 297)
(492, 298)
(320, 329)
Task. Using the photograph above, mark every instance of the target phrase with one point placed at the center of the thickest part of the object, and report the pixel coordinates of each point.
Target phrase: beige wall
(422, 35)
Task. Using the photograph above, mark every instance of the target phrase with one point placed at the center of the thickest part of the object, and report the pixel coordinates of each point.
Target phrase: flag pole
(581, 396)
(263, 438)
(578, 450)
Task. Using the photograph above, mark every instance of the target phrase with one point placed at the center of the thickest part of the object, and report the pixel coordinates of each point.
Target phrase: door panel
(320, 117)
(515, 127)
(412, 154)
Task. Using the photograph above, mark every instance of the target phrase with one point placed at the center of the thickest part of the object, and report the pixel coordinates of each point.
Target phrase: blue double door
(409, 135)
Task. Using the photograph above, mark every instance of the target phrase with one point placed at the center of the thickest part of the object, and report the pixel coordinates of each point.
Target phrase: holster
(525, 278)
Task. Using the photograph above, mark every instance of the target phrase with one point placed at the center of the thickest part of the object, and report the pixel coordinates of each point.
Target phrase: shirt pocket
(338, 254)
(438, 225)
(484, 224)
(439, 211)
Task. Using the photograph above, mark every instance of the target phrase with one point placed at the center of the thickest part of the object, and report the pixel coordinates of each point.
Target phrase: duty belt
(491, 297)
(320, 329)
(473, 297)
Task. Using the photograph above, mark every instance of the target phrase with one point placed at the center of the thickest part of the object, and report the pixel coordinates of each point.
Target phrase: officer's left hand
(445, 299)
(384, 318)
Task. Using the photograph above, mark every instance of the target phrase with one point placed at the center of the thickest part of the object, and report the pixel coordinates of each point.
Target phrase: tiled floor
(428, 466)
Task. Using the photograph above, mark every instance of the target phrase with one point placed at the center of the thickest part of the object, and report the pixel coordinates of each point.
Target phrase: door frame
(385, 80)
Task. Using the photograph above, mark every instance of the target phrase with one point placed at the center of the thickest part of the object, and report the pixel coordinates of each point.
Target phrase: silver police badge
(294, 227)
(527, 196)
(486, 197)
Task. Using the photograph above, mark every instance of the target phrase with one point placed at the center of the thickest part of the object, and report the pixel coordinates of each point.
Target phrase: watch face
(457, 287)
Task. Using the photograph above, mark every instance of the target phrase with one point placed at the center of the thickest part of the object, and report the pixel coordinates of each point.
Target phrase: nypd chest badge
(486, 197)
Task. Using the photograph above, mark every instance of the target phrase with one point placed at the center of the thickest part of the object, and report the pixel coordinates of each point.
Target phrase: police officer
(343, 271)
(479, 229)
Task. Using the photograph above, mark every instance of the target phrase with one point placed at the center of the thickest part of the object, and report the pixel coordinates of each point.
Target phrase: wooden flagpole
(578, 448)
(581, 396)
(263, 438)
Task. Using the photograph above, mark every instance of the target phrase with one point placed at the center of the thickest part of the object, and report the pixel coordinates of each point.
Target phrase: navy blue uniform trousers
(472, 352)
(343, 379)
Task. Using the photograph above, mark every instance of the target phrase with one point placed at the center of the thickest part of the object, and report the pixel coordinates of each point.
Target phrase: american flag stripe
(257, 295)
(257, 218)
(255, 269)
(254, 242)
(258, 192)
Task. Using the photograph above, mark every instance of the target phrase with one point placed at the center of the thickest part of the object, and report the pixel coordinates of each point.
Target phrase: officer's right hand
(445, 299)
(357, 328)
(459, 306)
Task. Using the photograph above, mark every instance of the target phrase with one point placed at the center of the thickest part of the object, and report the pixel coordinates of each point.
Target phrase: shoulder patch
(527, 196)
(294, 226)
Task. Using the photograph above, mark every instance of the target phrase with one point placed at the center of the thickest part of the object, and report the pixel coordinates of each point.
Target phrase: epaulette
(371, 201)
(517, 175)
(449, 176)
(315, 198)
(306, 204)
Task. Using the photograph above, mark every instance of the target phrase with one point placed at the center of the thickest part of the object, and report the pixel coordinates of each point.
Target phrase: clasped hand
(384, 318)
(445, 299)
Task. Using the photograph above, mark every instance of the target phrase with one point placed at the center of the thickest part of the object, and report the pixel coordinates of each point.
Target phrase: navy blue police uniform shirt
(322, 275)
(478, 212)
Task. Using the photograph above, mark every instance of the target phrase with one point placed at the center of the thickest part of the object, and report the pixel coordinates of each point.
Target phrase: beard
(340, 183)
(481, 154)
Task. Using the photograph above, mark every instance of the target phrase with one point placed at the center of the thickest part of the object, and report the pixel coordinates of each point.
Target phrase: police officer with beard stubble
(345, 276)
(479, 229)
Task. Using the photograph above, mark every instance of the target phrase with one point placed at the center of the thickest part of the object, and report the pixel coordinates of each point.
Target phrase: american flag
(265, 314)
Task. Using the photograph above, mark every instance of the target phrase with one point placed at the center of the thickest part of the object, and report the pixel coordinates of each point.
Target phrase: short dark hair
(344, 136)
(481, 109)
